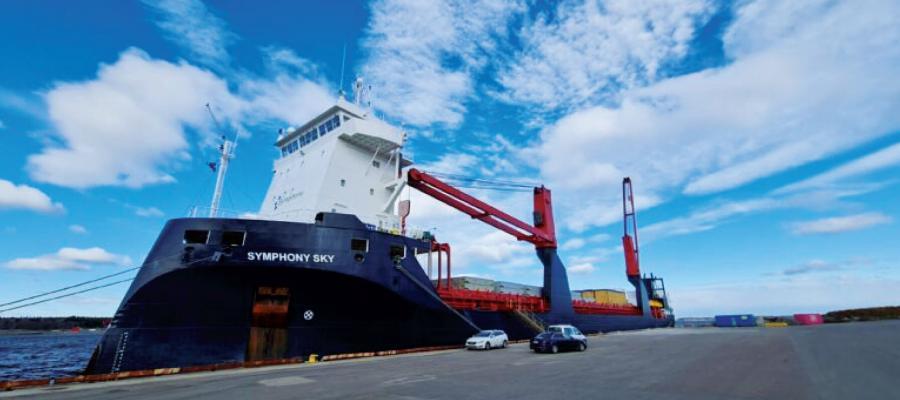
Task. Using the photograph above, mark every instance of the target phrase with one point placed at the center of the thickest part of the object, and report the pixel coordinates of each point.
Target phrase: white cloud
(192, 26)
(453, 163)
(886, 157)
(573, 244)
(709, 217)
(148, 212)
(26, 104)
(22, 196)
(422, 55)
(69, 258)
(289, 98)
(129, 126)
(284, 61)
(721, 212)
(846, 223)
(591, 50)
(79, 229)
(810, 267)
(126, 127)
(583, 268)
(779, 104)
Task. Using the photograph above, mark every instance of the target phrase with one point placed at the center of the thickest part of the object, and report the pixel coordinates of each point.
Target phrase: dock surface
(841, 361)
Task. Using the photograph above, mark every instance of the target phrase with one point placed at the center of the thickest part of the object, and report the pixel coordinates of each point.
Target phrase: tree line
(50, 323)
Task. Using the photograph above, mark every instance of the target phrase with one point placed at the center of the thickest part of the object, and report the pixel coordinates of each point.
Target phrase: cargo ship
(328, 266)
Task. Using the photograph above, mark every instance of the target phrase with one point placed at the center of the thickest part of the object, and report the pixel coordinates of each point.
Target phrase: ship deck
(842, 361)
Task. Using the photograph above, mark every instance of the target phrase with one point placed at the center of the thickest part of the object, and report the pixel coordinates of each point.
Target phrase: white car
(487, 340)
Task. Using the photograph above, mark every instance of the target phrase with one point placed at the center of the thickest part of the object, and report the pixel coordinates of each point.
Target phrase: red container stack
(808, 319)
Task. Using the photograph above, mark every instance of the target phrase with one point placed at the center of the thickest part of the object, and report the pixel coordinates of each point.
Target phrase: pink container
(808, 319)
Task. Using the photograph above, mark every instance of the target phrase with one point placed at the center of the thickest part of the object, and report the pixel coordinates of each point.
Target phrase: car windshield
(483, 334)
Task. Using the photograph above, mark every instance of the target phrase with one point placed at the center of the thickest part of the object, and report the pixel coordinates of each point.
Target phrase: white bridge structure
(344, 160)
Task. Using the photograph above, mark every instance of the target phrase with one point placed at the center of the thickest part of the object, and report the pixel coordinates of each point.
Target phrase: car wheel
(554, 349)
(582, 347)
(505, 343)
(487, 345)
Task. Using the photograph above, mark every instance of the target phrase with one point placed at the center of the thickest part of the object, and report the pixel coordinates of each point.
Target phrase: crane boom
(542, 234)
(629, 243)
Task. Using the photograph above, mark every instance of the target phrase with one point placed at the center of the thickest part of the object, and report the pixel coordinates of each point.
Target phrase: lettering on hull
(289, 257)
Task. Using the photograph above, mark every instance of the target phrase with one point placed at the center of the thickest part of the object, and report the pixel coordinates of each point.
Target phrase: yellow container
(776, 325)
(605, 296)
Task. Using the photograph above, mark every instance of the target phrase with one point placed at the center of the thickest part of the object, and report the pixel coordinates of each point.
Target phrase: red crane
(632, 255)
(556, 297)
(542, 234)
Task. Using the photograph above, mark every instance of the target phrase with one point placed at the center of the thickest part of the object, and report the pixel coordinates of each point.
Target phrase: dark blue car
(557, 338)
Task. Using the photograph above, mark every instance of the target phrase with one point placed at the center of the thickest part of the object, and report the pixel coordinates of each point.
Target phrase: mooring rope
(90, 281)
(66, 295)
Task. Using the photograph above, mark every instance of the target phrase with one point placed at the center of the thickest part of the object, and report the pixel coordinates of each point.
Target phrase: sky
(762, 137)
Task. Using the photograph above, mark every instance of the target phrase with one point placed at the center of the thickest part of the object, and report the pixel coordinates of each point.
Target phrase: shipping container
(735, 321)
(695, 322)
(605, 296)
(808, 319)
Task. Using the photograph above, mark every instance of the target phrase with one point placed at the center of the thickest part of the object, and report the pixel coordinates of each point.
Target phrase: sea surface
(45, 355)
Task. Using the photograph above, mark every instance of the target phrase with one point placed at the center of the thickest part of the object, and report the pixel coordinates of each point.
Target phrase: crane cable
(488, 184)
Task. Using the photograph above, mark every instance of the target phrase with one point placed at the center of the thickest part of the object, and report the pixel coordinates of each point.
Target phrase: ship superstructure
(343, 161)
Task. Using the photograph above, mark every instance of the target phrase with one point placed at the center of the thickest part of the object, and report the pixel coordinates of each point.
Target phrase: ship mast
(225, 154)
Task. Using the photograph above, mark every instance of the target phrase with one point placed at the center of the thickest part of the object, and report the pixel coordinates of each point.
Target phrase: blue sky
(763, 136)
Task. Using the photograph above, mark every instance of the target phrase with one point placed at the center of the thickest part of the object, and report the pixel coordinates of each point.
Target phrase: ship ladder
(530, 319)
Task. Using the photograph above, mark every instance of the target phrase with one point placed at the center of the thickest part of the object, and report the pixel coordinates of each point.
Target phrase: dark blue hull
(202, 302)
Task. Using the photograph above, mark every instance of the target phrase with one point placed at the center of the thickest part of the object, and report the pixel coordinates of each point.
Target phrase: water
(46, 355)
